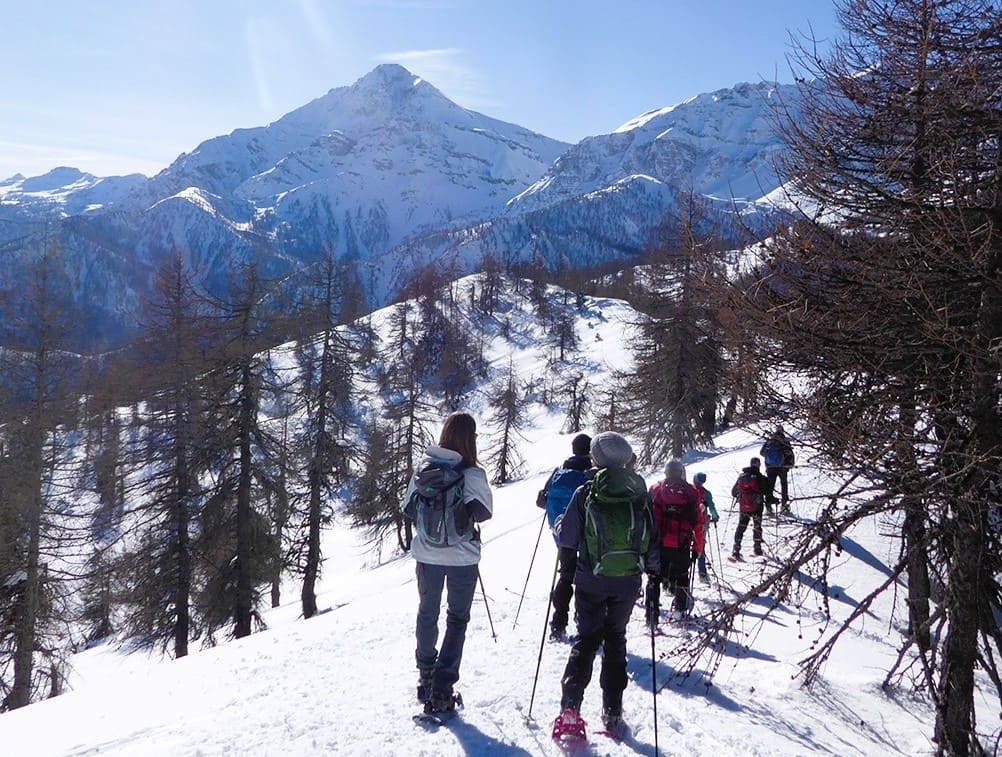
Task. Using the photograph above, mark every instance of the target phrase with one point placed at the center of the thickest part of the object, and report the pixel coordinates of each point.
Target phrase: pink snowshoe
(569, 727)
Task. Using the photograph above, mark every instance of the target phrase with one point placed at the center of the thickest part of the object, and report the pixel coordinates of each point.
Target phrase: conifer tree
(174, 456)
(37, 376)
(327, 395)
(507, 400)
(886, 299)
(236, 532)
(668, 398)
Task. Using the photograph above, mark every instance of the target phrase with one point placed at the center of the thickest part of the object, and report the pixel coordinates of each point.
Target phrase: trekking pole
(718, 567)
(654, 690)
(691, 603)
(531, 561)
(487, 605)
(542, 641)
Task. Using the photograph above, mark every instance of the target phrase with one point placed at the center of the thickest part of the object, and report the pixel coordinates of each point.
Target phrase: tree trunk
(182, 582)
(27, 617)
(309, 596)
(245, 549)
(954, 717)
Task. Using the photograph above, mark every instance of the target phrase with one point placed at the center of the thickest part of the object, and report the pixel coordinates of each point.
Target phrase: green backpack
(617, 523)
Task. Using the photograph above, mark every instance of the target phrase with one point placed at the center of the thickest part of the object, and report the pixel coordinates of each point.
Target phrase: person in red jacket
(675, 504)
(750, 491)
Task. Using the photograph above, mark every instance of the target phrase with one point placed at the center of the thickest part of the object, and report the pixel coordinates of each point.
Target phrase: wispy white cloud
(317, 24)
(445, 68)
(255, 49)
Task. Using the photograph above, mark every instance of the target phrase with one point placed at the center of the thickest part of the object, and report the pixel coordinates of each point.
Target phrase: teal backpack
(617, 523)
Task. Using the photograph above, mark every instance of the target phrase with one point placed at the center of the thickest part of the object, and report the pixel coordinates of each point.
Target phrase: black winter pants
(756, 530)
(771, 474)
(676, 563)
(602, 623)
(567, 562)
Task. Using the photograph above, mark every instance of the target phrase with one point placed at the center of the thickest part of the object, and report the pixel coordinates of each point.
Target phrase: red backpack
(674, 512)
(749, 497)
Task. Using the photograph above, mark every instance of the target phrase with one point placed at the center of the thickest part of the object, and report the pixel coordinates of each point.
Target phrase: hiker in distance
(676, 507)
(554, 498)
(609, 523)
(708, 515)
(778, 456)
(446, 498)
(749, 492)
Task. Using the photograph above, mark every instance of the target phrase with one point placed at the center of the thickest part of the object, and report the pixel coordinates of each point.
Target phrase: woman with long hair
(446, 498)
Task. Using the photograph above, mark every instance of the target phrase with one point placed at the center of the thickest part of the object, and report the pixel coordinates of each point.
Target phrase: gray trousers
(460, 583)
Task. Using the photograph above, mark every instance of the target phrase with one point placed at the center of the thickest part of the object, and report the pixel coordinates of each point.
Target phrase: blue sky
(120, 86)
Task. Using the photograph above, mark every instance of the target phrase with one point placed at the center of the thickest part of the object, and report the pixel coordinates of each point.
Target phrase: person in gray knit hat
(603, 600)
(611, 450)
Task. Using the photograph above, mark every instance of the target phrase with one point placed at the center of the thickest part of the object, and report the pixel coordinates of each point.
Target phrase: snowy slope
(343, 682)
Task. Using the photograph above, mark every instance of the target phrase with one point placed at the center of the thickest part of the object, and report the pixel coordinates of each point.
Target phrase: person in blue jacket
(554, 497)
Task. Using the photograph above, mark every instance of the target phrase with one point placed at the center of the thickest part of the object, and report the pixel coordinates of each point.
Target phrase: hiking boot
(443, 703)
(704, 578)
(612, 718)
(569, 727)
(758, 552)
(424, 684)
(735, 556)
(558, 633)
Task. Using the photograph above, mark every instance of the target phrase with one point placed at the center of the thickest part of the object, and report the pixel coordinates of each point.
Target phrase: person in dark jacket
(778, 456)
(602, 604)
(749, 491)
(455, 566)
(554, 497)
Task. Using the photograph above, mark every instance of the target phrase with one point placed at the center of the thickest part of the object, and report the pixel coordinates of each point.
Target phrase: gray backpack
(436, 506)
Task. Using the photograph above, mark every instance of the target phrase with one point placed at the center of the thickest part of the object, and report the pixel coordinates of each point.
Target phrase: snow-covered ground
(343, 682)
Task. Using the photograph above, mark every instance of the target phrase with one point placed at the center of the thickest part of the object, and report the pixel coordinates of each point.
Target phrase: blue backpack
(563, 483)
(774, 455)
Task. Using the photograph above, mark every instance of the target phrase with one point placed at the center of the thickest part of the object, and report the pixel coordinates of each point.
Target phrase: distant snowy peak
(720, 144)
(67, 190)
(356, 133)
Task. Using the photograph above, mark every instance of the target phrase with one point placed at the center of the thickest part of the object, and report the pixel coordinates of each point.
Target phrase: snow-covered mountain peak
(57, 178)
(395, 81)
(719, 143)
(66, 190)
